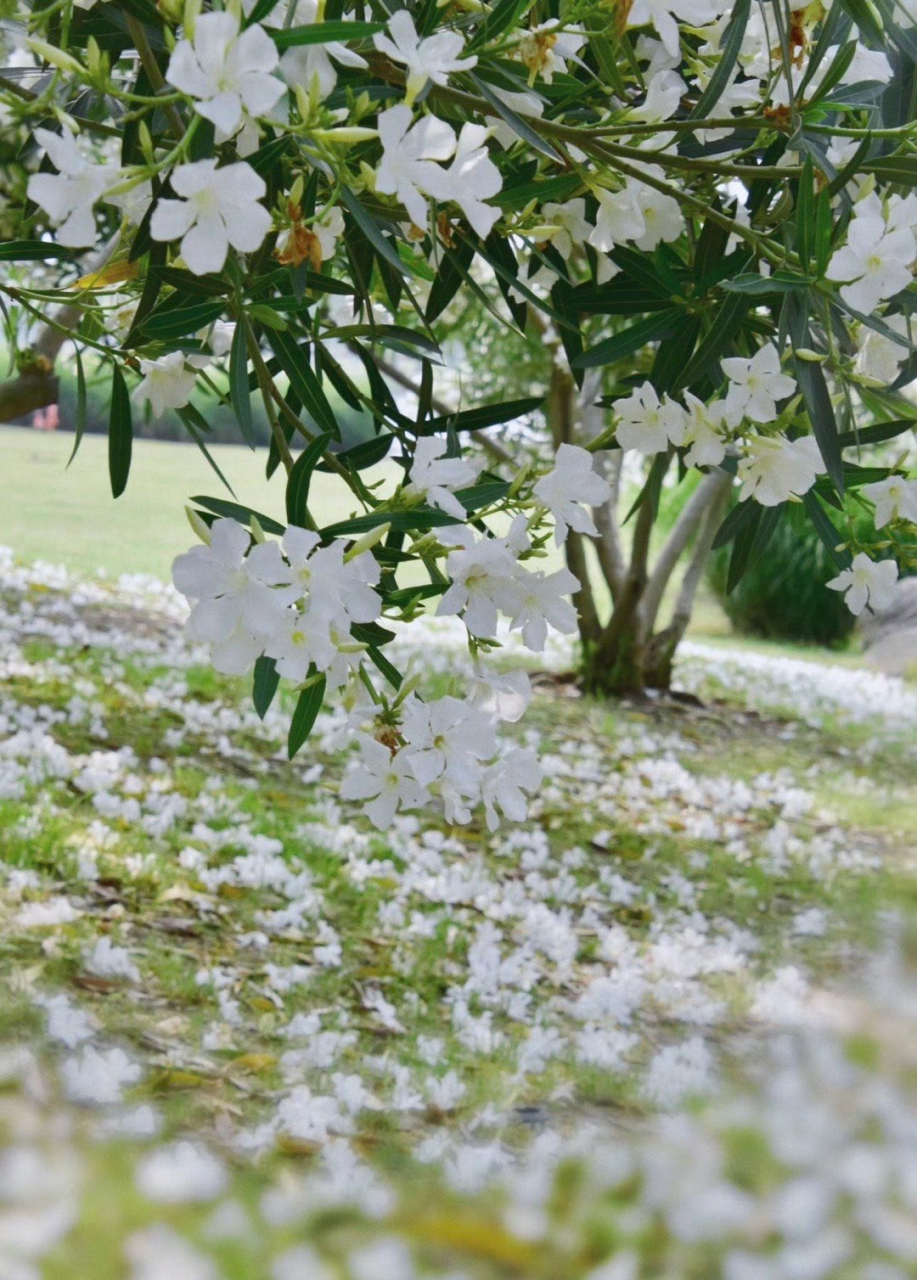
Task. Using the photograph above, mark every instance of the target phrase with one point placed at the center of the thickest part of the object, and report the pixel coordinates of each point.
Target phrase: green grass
(68, 516)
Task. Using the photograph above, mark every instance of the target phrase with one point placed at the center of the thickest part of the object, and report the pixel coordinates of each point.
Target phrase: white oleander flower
(895, 499)
(567, 225)
(648, 424)
(665, 16)
(665, 91)
(755, 385)
(867, 582)
(472, 178)
(216, 208)
(879, 359)
(236, 605)
(705, 432)
(312, 65)
(431, 58)
(434, 476)
(662, 216)
(385, 781)
(619, 218)
(226, 71)
(542, 601)
(167, 382)
(448, 738)
(68, 196)
(408, 169)
(570, 487)
(483, 573)
(507, 782)
(876, 261)
(545, 50)
(775, 469)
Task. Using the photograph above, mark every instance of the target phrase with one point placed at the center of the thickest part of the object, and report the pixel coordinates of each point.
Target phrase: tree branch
(683, 530)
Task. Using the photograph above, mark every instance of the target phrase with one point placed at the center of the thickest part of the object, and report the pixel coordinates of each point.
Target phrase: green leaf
(718, 339)
(294, 361)
(240, 395)
(826, 531)
(187, 282)
(760, 286)
(120, 433)
(740, 515)
(900, 169)
(420, 517)
(168, 322)
(80, 426)
(730, 46)
(484, 415)
(372, 231)
(628, 340)
(391, 672)
(323, 33)
(305, 715)
(751, 541)
(236, 511)
(194, 423)
(818, 404)
(517, 123)
(862, 14)
(448, 280)
(362, 455)
(300, 478)
(805, 213)
(264, 684)
(35, 251)
(876, 434)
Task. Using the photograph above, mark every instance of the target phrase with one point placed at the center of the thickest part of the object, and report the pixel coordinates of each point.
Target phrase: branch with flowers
(703, 208)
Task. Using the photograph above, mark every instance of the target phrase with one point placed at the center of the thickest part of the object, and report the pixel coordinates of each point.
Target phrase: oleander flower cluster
(702, 212)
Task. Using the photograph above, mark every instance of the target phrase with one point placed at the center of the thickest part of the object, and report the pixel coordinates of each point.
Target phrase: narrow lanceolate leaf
(264, 684)
(729, 51)
(751, 541)
(120, 434)
(627, 341)
(236, 511)
(300, 478)
(372, 231)
(516, 122)
(239, 391)
(830, 537)
(877, 434)
(742, 514)
(324, 33)
(485, 415)
(34, 251)
(294, 361)
(80, 426)
(305, 715)
(818, 404)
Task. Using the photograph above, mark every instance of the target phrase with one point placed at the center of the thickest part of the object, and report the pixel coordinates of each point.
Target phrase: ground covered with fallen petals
(666, 1027)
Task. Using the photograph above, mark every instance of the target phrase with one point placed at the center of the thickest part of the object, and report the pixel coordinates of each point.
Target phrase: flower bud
(199, 525)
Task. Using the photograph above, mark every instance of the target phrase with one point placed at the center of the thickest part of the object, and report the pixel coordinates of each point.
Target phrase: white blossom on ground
(159, 1253)
(867, 582)
(183, 1173)
(226, 71)
(647, 423)
(429, 58)
(217, 207)
(774, 469)
(895, 499)
(755, 385)
(568, 488)
(434, 476)
(167, 382)
(98, 1077)
(106, 960)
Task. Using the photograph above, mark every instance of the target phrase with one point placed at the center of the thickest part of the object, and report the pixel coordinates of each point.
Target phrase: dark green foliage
(782, 595)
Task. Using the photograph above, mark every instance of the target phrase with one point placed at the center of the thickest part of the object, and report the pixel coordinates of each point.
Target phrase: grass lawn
(69, 516)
